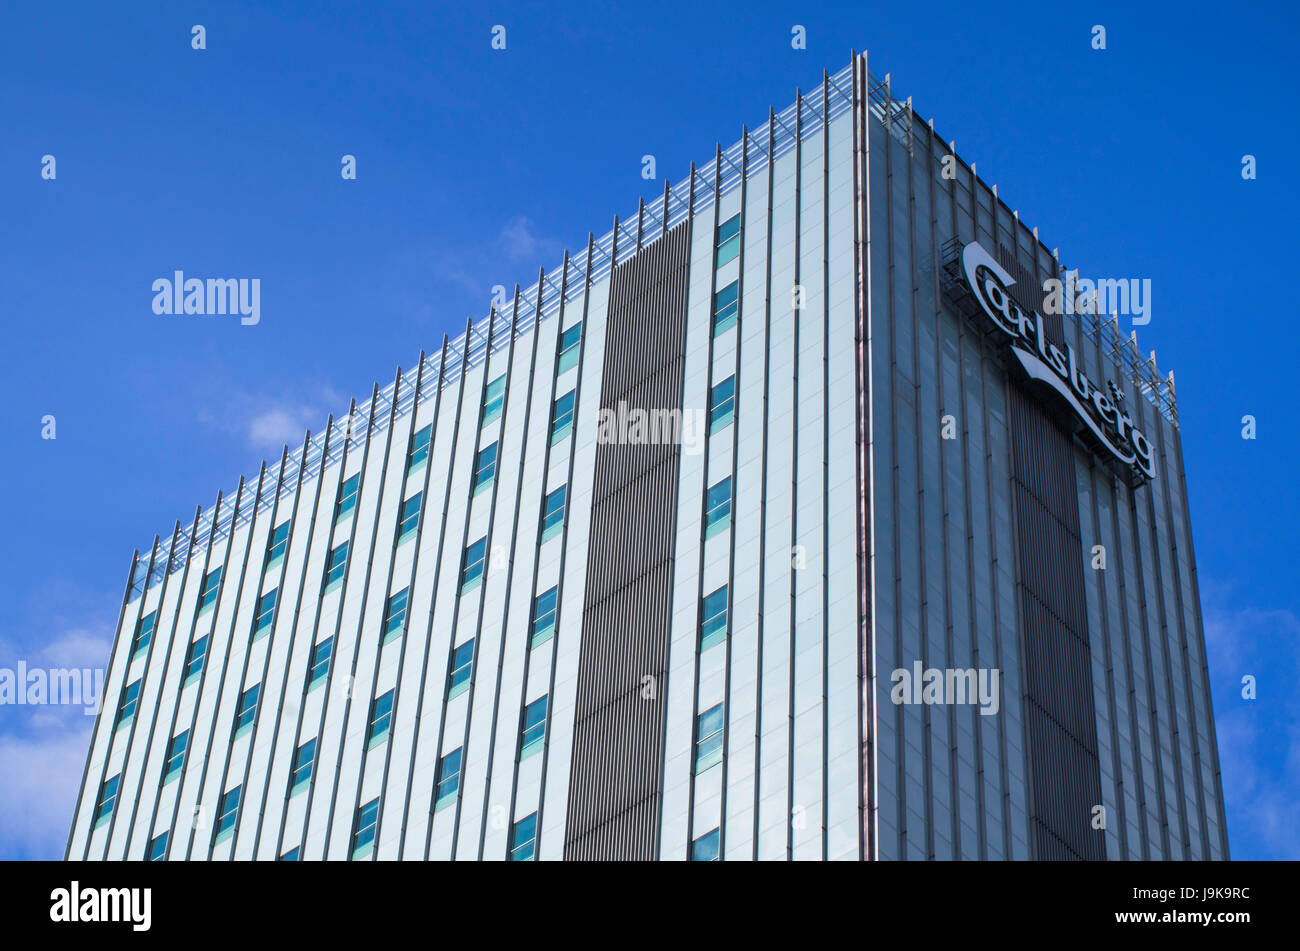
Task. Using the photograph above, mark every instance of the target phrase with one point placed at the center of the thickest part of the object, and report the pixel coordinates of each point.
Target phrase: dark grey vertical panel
(1060, 719)
(615, 787)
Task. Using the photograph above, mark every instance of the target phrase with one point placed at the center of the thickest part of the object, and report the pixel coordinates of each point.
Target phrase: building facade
(777, 523)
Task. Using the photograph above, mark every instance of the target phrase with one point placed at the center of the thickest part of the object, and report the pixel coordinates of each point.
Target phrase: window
(265, 612)
(247, 708)
(553, 513)
(208, 591)
(708, 738)
(194, 659)
(462, 665)
(395, 614)
(320, 662)
(717, 508)
(533, 732)
(126, 709)
(419, 450)
(292, 855)
(728, 240)
(570, 343)
(175, 755)
(335, 565)
(485, 467)
(544, 616)
(363, 832)
(227, 814)
(722, 404)
(410, 518)
(157, 848)
(523, 839)
(471, 565)
(381, 720)
(107, 798)
(302, 764)
(494, 396)
(347, 500)
(448, 779)
(726, 305)
(278, 543)
(562, 417)
(143, 631)
(713, 619)
(705, 848)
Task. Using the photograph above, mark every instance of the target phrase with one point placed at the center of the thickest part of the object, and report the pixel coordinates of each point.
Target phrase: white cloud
(38, 788)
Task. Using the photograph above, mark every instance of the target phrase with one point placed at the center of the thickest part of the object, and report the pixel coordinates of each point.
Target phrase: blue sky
(476, 166)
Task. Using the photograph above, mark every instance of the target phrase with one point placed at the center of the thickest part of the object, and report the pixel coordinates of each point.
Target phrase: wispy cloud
(1259, 739)
(267, 423)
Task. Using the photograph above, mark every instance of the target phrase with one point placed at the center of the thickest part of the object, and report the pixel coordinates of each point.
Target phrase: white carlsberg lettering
(1044, 362)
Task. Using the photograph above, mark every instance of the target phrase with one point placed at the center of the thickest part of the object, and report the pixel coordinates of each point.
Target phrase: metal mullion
(310, 533)
(410, 580)
(162, 683)
(460, 564)
(361, 614)
(826, 443)
(99, 715)
(528, 648)
(355, 516)
(519, 488)
(433, 595)
(225, 657)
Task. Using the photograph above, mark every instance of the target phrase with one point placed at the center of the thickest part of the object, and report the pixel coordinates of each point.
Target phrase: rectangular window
(381, 720)
(227, 813)
(485, 467)
(532, 733)
(363, 833)
(708, 738)
(419, 450)
(448, 779)
(303, 760)
(713, 619)
(107, 798)
(728, 240)
(278, 543)
(494, 397)
(726, 305)
(523, 839)
(143, 631)
(247, 712)
(157, 848)
(562, 417)
(462, 665)
(395, 614)
(553, 513)
(265, 613)
(126, 709)
(722, 404)
(320, 662)
(471, 564)
(208, 591)
(705, 848)
(410, 517)
(194, 659)
(717, 508)
(176, 754)
(570, 343)
(335, 565)
(544, 616)
(347, 499)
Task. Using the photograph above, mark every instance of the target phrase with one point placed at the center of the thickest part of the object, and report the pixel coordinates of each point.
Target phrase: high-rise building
(786, 520)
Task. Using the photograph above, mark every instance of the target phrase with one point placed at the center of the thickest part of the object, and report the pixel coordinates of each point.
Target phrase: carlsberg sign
(1043, 361)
